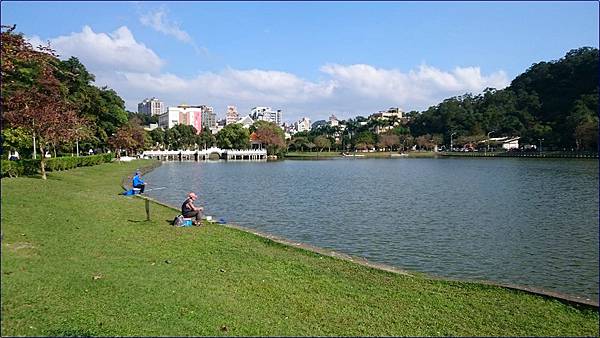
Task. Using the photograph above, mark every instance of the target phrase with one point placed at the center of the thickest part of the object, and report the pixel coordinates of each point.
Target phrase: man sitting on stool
(138, 183)
(189, 210)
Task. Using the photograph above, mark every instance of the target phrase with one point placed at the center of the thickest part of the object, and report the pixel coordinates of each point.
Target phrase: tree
(130, 137)
(206, 139)
(33, 98)
(233, 136)
(366, 138)
(299, 142)
(158, 138)
(406, 141)
(17, 139)
(187, 136)
(586, 134)
(388, 140)
(271, 136)
(173, 139)
(322, 142)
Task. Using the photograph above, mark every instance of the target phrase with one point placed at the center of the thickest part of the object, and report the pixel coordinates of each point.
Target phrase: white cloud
(416, 89)
(104, 52)
(133, 70)
(350, 90)
(159, 22)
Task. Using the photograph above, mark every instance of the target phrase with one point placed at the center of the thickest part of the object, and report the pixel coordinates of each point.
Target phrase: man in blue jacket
(138, 182)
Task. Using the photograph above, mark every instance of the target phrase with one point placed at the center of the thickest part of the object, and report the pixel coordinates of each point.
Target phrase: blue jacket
(137, 180)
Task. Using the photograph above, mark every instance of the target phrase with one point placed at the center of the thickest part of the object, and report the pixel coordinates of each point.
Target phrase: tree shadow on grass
(68, 332)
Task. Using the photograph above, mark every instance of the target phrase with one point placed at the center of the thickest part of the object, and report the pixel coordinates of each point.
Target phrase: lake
(531, 222)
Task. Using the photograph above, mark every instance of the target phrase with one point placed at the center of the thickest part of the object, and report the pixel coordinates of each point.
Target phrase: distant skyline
(306, 58)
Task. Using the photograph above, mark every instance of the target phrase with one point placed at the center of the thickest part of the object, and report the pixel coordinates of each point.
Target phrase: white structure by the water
(203, 154)
(507, 142)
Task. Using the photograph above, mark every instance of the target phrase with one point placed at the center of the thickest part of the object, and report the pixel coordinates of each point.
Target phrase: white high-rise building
(333, 121)
(267, 114)
(232, 115)
(182, 114)
(303, 124)
(151, 106)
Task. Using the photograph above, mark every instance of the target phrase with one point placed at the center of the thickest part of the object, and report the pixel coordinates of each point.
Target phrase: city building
(168, 119)
(289, 128)
(267, 114)
(231, 116)
(333, 121)
(302, 125)
(209, 118)
(394, 115)
(220, 125)
(151, 127)
(151, 107)
(182, 114)
(246, 122)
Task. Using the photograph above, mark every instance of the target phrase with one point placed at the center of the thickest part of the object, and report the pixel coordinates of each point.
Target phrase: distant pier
(204, 154)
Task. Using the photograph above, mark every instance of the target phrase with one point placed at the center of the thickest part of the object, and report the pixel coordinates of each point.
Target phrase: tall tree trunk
(43, 162)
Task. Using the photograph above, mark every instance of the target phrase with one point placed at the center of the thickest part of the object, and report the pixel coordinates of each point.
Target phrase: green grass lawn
(375, 154)
(79, 259)
(311, 154)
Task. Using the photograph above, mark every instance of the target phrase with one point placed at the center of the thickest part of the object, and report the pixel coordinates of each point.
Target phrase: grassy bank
(78, 259)
(309, 154)
(546, 154)
(376, 154)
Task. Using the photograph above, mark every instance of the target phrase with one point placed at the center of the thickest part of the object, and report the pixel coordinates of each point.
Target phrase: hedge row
(32, 167)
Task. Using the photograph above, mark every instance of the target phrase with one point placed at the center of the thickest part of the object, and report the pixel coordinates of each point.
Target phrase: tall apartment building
(209, 118)
(151, 106)
(182, 114)
(302, 125)
(232, 115)
(197, 116)
(267, 114)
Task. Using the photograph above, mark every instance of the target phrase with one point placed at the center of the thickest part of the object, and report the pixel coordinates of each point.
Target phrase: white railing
(246, 152)
(205, 152)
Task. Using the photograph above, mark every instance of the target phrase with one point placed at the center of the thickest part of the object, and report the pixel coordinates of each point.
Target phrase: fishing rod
(155, 189)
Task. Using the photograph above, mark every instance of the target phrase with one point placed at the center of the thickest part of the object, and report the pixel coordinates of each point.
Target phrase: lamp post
(488, 139)
(540, 139)
(451, 140)
(34, 149)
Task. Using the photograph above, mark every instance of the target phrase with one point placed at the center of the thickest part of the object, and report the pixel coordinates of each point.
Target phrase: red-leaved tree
(32, 96)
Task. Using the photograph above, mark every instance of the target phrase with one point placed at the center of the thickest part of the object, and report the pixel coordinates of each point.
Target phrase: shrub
(11, 168)
(32, 167)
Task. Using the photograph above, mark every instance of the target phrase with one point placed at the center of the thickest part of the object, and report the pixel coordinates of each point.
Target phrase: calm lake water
(521, 221)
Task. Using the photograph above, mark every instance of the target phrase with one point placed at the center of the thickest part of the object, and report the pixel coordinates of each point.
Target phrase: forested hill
(556, 101)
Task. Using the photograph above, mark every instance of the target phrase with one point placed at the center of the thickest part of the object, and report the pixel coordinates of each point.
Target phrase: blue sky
(307, 58)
